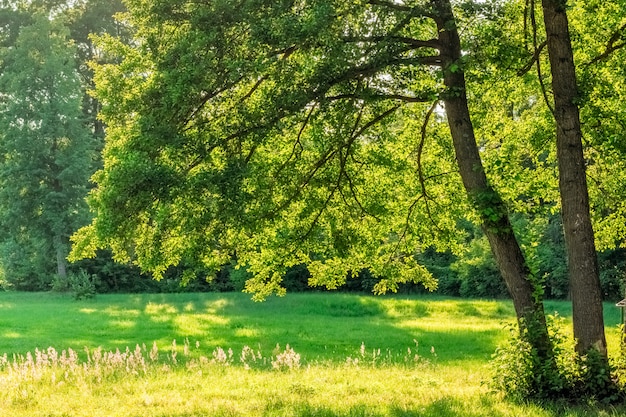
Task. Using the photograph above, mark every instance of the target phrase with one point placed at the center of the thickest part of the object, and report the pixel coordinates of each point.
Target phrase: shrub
(518, 370)
(478, 273)
(238, 278)
(115, 277)
(520, 375)
(80, 284)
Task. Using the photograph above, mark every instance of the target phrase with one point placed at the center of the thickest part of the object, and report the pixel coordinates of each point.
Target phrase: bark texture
(579, 238)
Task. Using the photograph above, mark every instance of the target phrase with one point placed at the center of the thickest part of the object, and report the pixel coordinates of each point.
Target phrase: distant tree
(86, 18)
(46, 153)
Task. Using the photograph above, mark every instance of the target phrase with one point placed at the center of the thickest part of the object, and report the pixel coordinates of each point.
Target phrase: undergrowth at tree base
(521, 375)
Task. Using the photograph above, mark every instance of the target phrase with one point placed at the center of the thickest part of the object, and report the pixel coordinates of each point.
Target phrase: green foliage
(520, 375)
(477, 272)
(594, 379)
(46, 153)
(282, 142)
(80, 284)
(439, 264)
(285, 143)
(619, 362)
(613, 273)
(238, 278)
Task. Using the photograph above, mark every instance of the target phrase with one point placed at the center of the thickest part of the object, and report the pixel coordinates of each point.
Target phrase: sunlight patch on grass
(447, 325)
(123, 324)
(116, 311)
(155, 309)
(122, 342)
(247, 332)
(215, 306)
(188, 326)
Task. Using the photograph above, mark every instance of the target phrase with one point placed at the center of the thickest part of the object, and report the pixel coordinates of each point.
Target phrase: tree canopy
(306, 132)
(279, 135)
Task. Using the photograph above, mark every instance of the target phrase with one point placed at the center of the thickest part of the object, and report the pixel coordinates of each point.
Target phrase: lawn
(358, 356)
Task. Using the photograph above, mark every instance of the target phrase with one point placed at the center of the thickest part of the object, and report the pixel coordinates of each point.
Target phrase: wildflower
(220, 356)
(288, 359)
(154, 352)
(174, 353)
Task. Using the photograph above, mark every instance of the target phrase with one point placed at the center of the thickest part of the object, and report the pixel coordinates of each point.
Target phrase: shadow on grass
(330, 326)
(319, 326)
(453, 407)
(444, 407)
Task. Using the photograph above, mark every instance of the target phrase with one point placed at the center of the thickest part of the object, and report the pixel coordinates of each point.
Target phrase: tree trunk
(495, 220)
(579, 239)
(61, 254)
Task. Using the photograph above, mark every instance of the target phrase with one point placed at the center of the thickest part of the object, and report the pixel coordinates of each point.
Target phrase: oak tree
(284, 134)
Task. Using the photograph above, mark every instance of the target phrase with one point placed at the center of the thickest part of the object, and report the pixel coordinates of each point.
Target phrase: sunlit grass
(357, 356)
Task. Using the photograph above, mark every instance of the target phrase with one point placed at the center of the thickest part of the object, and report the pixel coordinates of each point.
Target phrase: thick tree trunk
(496, 224)
(579, 239)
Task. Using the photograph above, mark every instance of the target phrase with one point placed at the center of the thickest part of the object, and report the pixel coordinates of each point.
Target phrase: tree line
(50, 137)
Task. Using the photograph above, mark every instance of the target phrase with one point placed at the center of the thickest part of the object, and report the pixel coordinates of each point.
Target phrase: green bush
(519, 372)
(520, 375)
(60, 284)
(238, 278)
(80, 284)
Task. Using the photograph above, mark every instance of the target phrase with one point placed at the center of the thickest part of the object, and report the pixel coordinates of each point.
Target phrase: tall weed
(97, 365)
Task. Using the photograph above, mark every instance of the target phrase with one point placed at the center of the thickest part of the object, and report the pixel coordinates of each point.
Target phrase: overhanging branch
(611, 46)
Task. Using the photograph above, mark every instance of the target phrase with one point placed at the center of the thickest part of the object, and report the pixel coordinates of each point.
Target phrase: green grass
(325, 329)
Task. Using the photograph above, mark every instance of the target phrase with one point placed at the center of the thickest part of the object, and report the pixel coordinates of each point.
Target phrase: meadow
(318, 354)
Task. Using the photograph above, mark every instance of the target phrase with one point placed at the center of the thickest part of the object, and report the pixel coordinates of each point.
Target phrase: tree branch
(527, 67)
(420, 172)
(544, 90)
(374, 67)
(611, 46)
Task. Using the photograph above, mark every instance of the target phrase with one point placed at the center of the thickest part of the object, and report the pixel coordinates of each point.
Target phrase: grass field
(358, 356)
